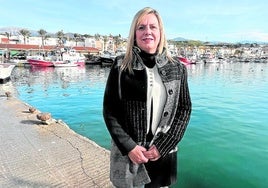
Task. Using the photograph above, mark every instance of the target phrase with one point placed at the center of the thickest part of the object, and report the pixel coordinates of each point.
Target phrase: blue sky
(206, 20)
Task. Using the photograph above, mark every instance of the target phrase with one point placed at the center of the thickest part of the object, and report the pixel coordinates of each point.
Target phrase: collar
(138, 64)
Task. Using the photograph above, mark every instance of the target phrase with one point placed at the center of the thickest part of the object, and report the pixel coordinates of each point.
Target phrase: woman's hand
(152, 154)
(136, 155)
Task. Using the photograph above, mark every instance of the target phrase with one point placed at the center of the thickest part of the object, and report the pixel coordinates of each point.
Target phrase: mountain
(15, 31)
(10, 30)
(252, 42)
(180, 39)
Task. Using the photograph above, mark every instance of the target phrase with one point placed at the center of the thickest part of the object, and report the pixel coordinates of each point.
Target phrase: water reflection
(231, 72)
(63, 76)
(41, 69)
(208, 69)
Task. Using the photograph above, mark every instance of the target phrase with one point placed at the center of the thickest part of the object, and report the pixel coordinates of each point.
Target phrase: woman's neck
(148, 59)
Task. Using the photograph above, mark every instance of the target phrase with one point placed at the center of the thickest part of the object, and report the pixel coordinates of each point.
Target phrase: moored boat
(212, 60)
(5, 71)
(40, 62)
(92, 60)
(59, 58)
(185, 61)
(19, 62)
(107, 57)
(68, 63)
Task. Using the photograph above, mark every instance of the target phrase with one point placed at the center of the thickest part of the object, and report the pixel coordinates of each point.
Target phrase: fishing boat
(92, 59)
(19, 62)
(5, 71)
(68, 63)
(185, 61)
(107, 57)
(64, 57)
(69, 58)
(40, 62)
(212, 60)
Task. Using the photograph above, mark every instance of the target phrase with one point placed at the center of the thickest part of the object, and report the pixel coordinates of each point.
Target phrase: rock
(8, 93)
(32, 109)
(45, 116)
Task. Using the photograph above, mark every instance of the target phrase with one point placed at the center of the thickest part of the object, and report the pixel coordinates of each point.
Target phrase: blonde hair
(126, 64)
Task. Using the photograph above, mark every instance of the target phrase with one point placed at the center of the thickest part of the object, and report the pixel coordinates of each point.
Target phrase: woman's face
(148, 33)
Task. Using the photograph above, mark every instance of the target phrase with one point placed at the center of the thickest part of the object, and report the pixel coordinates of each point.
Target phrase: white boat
(68, 58)
(68, 63)
(71, 54)
(5, 71)
(107, 57)
(212, 60)
(19, 62)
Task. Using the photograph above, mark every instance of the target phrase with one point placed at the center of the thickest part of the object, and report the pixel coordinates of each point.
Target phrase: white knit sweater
(157, 94)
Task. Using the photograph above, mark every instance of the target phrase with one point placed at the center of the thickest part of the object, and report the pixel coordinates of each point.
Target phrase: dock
(36, 154)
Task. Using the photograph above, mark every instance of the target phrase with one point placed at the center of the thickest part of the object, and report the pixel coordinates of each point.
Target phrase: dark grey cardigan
(124, 105)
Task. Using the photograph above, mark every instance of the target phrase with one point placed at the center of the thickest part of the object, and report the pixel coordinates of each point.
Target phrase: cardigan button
(165, 114)
(159, 134)
(170, 91)
(163, 72)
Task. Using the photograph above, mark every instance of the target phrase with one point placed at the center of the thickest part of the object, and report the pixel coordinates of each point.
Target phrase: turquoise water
(226, 143)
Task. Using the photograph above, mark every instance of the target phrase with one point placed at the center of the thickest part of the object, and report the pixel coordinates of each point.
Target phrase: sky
(205, 20)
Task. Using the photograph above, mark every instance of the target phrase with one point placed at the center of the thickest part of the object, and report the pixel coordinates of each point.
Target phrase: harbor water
(226, 142)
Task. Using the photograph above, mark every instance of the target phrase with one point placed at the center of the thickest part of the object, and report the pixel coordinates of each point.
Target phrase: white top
(157, 92)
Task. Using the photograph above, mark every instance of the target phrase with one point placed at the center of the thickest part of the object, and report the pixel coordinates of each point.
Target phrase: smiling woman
(146, 107)
(148, 33)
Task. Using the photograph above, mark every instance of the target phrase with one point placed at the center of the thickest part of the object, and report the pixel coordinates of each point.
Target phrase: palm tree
(86, 36)
(25, 33)
(117, 41)
(77, 38)
(97, 36)
(61, 37)
(83, 39)
(8, 35)
(43, 34)
(105, 40)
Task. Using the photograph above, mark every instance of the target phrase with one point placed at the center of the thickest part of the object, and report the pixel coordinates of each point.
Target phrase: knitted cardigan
(124, 105)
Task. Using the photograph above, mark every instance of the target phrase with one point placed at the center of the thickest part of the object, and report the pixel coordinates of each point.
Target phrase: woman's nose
(148, 30)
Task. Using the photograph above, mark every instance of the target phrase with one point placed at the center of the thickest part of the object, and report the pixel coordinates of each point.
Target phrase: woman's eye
(141, 27)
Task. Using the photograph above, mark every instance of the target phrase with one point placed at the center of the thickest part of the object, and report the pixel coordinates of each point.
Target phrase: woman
(146, 107)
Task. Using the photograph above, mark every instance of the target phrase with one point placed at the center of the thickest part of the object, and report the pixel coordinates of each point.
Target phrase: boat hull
(5, 72)
(105, 60)
(41, 63)
(68, 63)
(185, 61)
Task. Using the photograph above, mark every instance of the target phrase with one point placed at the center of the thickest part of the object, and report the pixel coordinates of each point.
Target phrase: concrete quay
(35, 154)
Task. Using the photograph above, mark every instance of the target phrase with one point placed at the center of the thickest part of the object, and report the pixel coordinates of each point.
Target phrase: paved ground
(34, 154)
